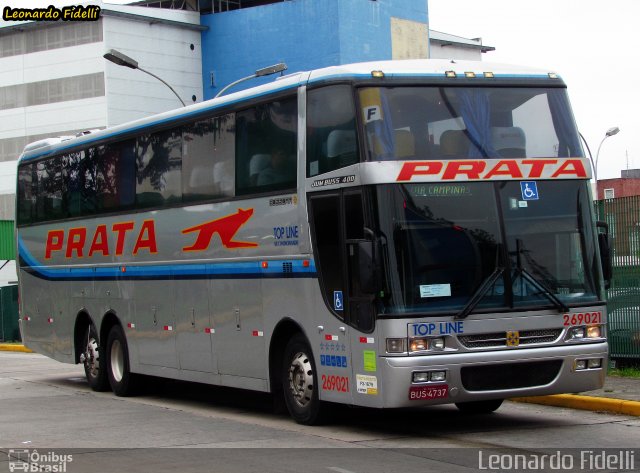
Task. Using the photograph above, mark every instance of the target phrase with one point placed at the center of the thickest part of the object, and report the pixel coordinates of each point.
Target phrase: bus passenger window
(159, 178)
(208, 165)
(115, 176)
(49, 202)
(266, 144)
(331, 130)
(26, 194)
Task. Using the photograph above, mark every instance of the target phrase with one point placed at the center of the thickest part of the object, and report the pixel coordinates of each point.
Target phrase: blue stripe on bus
(280, 268)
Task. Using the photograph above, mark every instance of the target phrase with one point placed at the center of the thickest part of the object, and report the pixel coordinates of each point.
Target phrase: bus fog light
(595, 363)
(593, 331)
(395, 345)
(418, 344)
(438, 375)
(581, 365)
(437, 344)
(421, 377)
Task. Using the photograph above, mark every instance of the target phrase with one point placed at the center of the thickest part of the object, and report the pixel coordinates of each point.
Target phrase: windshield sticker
(369, 360)
(435, 290)
(367, 384)
(440, 190)
(436, 328)
(337, 301)
(529, 190)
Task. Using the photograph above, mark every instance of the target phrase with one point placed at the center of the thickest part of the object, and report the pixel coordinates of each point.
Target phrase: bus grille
(509, 375)
(499, 339)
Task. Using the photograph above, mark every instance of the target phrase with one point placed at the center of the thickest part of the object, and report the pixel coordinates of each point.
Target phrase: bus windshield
(465, 122)
(445, 244)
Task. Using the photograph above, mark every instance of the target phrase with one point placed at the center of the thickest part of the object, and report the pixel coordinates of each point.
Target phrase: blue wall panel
(306, 34)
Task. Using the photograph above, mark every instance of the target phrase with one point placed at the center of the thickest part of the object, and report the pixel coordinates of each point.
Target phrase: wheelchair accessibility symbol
(337, 301)
(529, 190)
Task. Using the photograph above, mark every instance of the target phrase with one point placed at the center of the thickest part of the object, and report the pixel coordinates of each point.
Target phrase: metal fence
(623, 217)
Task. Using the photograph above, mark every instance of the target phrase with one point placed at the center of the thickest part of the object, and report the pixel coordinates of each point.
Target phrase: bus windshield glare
(464, 122)
(445, 244)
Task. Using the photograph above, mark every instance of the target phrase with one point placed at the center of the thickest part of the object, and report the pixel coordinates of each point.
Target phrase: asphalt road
(173, 426)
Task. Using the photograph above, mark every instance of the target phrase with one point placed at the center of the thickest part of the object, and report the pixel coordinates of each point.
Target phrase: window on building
(609, 193)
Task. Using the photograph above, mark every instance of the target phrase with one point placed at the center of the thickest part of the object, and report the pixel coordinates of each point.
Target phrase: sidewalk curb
(14, 347)
(589, 403)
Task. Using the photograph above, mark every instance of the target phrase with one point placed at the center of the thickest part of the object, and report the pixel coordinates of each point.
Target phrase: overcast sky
(593, 44)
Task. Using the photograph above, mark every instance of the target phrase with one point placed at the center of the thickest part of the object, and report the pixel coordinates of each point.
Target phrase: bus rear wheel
(93, 359)
(479, 407)
(300, 382)
(122, 381)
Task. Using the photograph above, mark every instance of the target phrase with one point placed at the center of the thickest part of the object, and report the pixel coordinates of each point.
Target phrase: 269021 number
(582, 318)
(335, 383)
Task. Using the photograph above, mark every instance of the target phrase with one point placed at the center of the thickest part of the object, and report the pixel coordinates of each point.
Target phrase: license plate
(419, 393)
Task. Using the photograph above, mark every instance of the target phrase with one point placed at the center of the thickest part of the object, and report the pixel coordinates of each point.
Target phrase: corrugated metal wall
(623, 217)
(7, 245)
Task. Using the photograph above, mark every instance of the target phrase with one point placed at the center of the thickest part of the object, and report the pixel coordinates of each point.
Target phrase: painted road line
(589, 403)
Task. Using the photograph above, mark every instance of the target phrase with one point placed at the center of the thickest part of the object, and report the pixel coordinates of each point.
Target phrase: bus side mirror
(604, 246)
(368, 266)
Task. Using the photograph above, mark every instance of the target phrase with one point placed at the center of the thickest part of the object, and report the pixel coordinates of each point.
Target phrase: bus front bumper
(493, 375)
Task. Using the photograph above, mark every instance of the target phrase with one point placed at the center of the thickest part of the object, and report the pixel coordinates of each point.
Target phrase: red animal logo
(226, 227)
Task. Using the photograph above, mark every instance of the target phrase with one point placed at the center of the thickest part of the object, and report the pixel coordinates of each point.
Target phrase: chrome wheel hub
(301, 379)
(91, 358)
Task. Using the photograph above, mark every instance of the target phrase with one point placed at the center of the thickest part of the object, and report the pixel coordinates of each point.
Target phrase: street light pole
(610, 132)
(265, 71)
(120, 59)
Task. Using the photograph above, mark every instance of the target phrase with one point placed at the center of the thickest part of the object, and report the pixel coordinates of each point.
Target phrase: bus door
(194, 335)
(338, 226)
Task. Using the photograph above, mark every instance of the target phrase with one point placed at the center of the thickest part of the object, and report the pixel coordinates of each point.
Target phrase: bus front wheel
(94, 360)
(479, 407)
(300, 382)
(122, 381)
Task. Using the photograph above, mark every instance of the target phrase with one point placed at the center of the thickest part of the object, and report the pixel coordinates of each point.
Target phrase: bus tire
(94, 361)
(122, 381)
(479, 407)
(300, 382)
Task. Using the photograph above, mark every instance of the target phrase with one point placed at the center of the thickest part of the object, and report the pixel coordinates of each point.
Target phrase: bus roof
(433, 68)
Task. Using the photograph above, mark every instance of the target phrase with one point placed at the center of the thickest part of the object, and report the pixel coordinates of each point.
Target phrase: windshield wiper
(544, 290)
(480, 293)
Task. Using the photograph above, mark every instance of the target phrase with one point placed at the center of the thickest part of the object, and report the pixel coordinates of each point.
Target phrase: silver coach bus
(386, 234)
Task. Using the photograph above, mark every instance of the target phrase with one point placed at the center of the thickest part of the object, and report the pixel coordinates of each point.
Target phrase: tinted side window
(115, 176)
(208, 167)
(159, 164)
(331, 129)
(26, 194)
(49, 203)
(266, 138)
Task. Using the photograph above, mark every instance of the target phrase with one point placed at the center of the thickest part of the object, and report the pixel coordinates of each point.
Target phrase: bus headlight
(418, 344)
(395, 345)
(575, 333)
(593, 331)
(585, 332)
(436, 344)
